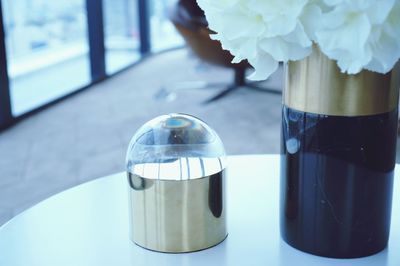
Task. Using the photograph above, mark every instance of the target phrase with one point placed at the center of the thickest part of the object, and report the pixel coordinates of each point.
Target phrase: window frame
(96, 41)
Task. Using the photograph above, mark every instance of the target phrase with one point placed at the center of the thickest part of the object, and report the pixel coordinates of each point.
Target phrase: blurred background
(47, 41)
(79, 77)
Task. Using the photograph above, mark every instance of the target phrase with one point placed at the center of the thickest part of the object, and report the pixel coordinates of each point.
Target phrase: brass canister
(176, 175)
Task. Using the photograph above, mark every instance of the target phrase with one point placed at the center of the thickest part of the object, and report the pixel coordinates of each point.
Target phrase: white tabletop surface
(88, 225)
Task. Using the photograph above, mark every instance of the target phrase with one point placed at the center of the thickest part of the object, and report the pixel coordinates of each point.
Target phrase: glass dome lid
(175, 147)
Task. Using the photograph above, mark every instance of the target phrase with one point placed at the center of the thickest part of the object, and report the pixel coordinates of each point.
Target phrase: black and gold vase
(338, 156)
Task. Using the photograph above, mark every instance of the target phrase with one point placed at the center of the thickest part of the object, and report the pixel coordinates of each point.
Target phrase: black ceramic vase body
(338, 149)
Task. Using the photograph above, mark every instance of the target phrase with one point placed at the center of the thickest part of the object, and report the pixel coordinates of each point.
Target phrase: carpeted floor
(86, 136)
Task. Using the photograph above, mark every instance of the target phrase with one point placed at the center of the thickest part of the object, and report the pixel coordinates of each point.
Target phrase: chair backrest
(197, 37)
(204, 47)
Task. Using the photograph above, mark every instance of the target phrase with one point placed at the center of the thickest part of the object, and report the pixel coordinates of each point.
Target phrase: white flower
(311, 19)
(385, 42)
(262, 31)
(352, 33)
(358, 34)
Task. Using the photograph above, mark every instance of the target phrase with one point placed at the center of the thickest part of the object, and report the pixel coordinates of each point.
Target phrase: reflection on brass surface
(316, 85)
(177, 216)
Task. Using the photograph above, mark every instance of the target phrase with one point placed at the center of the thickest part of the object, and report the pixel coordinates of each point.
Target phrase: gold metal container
(176, 166)
(316, 85)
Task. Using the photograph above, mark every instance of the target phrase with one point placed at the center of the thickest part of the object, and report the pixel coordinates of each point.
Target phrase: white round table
(88, 225)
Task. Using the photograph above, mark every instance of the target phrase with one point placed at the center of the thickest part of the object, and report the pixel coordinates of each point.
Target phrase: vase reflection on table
(338, 155)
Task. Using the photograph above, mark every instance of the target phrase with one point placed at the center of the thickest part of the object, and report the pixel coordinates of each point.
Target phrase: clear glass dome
(175, 147)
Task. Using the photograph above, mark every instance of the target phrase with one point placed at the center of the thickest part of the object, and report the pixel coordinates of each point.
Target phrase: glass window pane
(121, 33)
(47, 50)
(163, 33)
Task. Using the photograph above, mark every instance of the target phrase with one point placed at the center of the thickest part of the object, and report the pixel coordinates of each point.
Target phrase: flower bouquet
(339, 115)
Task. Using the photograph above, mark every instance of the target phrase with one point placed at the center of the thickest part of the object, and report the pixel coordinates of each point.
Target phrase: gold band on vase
(316, 85)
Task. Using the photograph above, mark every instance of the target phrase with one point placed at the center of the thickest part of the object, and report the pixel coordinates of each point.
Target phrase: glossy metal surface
(316, 85)
(177, 216)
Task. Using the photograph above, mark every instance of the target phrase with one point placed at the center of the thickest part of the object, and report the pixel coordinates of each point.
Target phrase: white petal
(354, 65)
(332, 2)
(276, 47)
(386, 52)
(235, 28)
(279, 16)
(392, 24)
(237, 59)
(311, 20)
(282, 50)
(248, 47)
(379, 11)
(298, 36)
(347, 42)
(264, 66)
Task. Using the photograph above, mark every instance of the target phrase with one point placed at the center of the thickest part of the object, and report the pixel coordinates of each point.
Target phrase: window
(48, 50)
(163, 34)
(121, 31)
(46, 41)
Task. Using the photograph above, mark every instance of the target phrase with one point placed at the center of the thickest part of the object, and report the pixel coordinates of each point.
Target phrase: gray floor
(86, 136)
